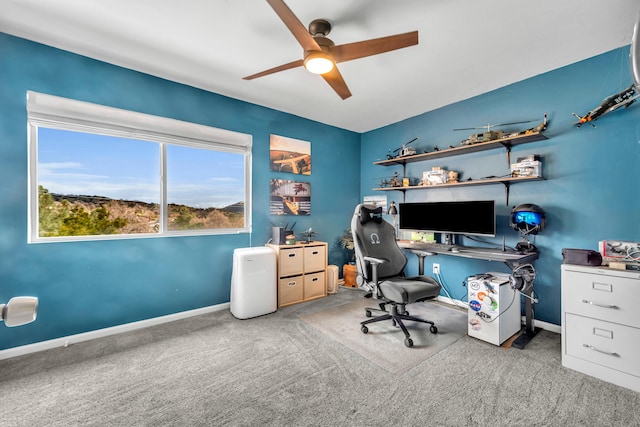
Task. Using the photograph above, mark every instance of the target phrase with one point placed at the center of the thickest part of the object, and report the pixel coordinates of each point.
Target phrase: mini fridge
(254, 291)
(494, 308)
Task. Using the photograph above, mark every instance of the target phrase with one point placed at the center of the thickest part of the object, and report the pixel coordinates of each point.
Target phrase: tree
(50, 213)
(184, 218)
(57, 219)
(97, 222)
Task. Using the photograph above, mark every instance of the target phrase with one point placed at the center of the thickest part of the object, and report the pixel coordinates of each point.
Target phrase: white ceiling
(466, 47)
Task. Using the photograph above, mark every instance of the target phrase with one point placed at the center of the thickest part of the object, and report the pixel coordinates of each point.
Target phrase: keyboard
(436, 246)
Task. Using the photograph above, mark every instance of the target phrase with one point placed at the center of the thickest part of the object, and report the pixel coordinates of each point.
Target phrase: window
(98, 172)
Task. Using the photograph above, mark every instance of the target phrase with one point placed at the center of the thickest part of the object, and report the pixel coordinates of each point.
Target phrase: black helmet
(527, 219)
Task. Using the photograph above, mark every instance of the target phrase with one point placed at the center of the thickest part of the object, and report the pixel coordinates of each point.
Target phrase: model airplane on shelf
(403, 151)
(609, 104)
(492, 135)
(308, 234)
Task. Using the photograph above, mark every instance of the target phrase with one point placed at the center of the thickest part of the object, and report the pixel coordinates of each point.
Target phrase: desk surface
(488, 254)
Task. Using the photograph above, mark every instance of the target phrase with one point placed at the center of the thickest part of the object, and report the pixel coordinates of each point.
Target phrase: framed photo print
(289, 197)
(290, 155)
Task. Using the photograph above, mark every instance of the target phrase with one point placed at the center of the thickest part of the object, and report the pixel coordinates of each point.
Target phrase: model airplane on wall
(609, 104)
(627, 96)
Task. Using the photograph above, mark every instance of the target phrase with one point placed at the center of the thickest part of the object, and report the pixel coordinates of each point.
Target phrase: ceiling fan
(321, 55)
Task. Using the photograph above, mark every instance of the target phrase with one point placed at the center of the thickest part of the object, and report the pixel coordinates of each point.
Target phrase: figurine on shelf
(308, 234)
(395, 180)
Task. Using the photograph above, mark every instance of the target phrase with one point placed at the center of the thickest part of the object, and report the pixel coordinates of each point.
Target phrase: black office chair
(381, 266)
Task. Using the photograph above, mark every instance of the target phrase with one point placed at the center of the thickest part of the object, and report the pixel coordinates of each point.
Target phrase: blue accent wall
(85, 286)
(592, 186)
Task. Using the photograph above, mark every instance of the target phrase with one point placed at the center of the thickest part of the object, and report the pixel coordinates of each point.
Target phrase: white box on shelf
(526, 168)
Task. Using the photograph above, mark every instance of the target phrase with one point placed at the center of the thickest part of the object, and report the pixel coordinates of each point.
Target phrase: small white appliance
(253, 282)
(494, 308)
(332, 279)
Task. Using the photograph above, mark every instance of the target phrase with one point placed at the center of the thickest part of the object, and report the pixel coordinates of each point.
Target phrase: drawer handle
(590, 347)
(315, 252)
(615, 307)
(291, 283)
(291, 255)
(315, 279)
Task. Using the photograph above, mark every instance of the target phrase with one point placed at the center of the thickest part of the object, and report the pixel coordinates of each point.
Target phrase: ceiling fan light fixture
(318, 63)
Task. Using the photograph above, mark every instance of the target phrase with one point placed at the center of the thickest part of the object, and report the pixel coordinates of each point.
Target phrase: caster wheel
(364, 329)
(406, 313)
(393, 322)
(433, 329)
(408, 342)
(368, 313)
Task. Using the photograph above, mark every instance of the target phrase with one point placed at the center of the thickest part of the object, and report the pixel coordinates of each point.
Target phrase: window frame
(51, 111)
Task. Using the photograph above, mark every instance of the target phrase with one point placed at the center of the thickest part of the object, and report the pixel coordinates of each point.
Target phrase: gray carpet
(277, 370)
(384, 344)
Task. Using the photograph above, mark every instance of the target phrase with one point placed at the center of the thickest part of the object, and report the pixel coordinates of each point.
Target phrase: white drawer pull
(590, 347)
(615, 307)
(605, 287)
(604, 333)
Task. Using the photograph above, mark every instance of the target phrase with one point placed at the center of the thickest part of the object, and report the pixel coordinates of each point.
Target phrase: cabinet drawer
(601, 296)
(314, 285)
(290, 290)
(290, 262)
(607, 344)
(314, 258)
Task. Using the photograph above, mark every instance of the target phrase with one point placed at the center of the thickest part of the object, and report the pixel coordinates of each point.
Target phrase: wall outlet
(436, 268)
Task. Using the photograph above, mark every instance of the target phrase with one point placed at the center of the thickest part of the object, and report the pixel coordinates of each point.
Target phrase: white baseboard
(546, 326)
(456, 302)
(536, 323)
(100, 333)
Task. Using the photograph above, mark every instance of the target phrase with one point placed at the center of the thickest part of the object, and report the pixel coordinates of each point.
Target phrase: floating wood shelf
(464, 149)
(506, 181)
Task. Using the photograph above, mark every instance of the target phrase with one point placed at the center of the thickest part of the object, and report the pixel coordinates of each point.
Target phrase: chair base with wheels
(396, 314)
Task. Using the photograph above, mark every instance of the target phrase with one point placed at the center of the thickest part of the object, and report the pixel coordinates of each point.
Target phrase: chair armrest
(420, 252)
(421, 256)
(375, 261)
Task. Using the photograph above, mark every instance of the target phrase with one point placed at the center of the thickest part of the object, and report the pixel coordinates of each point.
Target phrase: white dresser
(600, 323)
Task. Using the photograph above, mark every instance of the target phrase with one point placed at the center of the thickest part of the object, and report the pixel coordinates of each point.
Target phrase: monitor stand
(448, 239)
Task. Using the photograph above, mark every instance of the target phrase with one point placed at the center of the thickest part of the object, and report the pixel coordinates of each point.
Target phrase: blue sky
(129, 169)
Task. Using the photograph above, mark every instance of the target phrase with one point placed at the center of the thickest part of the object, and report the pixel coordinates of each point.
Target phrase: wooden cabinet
(600, 330)
(507, 143)
(302, 272)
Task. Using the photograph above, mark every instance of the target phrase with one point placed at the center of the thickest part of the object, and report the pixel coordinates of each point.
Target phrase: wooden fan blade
(335, 80)
(294, 64)
(294, 25)
(350, 51)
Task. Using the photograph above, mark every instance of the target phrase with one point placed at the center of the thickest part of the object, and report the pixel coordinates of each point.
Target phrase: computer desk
(511, 258)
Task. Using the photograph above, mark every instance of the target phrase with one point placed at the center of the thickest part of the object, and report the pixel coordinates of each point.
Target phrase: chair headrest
(370, 214)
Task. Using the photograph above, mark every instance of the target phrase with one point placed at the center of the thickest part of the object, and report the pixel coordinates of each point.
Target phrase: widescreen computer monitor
(477, 218)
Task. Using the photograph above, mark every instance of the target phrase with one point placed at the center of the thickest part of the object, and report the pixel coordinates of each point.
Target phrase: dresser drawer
(601, 296)
(314, 258)
(290, 262)
(314, 285)
(603, 343)
(290, 290)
